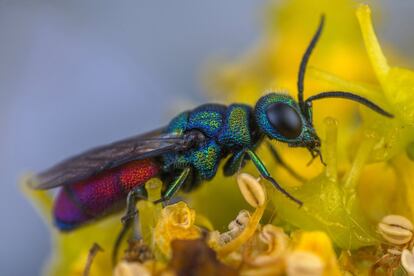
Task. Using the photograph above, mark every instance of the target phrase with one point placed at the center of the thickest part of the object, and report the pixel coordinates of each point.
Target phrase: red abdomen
(94, 197)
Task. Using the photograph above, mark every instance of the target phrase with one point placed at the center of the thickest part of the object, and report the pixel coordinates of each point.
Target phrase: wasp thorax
(396, 229)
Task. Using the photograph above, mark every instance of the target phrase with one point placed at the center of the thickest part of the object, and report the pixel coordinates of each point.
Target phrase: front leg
(173, 188)
(266, 175)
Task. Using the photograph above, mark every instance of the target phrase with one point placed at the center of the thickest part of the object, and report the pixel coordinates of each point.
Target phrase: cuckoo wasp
(185, 153)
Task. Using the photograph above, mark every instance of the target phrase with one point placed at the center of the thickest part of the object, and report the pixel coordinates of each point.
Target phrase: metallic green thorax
(235, 130)
(227, 129)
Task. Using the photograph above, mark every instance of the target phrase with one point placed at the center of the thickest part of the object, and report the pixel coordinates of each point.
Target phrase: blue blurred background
(76, 74)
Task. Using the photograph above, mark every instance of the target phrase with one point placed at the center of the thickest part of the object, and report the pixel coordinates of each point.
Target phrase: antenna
(304, 62)
(306, 105)
(348, 96)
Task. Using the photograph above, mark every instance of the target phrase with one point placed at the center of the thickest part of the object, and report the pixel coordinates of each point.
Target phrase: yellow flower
(384, 183)
(149, 212)
(407, 261)
(368, 173)
(332, 199)
(175, 222)
(245, 225)
(330, 203)
(267, 250)
(272, 65)
(254, 249)
(395, 91)
(131, 269)
(313, 252)
(70, 250)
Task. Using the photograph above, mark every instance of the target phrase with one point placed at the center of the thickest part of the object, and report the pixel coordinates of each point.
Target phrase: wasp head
(280, 117)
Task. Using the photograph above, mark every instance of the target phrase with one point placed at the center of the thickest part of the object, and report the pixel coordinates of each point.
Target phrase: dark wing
(96, 160)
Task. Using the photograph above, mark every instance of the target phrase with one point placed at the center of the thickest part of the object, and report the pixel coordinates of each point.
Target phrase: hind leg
(128, 219)
(131, 211)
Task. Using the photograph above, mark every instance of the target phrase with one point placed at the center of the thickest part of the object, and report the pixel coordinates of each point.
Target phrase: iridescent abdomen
(92, 198)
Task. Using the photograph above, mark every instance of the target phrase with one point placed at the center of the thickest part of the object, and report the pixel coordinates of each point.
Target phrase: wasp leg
(119, 238)
(174, 186)
(266, 175)
(234, 164)
(281, 162)
(127, 219)
(135, 194)
(169, 193)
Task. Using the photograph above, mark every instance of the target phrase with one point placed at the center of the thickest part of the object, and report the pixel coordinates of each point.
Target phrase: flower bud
(131, 269)
(395, 229)
(407, 261)
(252, 191)
(240, 222)
(301, 263)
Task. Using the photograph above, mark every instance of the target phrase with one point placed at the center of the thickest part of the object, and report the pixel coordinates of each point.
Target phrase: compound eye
(284, 119)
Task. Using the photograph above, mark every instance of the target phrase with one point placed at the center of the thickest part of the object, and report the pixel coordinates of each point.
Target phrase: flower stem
(330, 150)
(361, 158)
